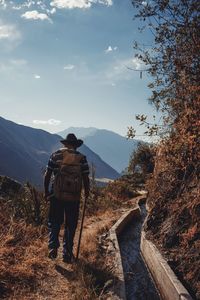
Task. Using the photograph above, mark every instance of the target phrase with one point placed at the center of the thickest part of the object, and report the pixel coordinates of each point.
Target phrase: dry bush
(113, 196)
(22, 253)
(24, 201)
(174, 221)
(142, 161)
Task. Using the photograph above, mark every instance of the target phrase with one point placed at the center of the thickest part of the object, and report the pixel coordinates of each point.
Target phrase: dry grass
(21, 255)
(27, 273)
(174, 220)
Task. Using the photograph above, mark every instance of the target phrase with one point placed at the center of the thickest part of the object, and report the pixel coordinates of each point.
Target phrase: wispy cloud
(111, 49)
(70, 4)
(83, 4)
(25, 4)
(10, 36)
(144, 3)
(52, 11)
(35, 15)
(12, 65)
(69, 67)
(136, 64)
(52, 122)
(3, 3)
(18, 62)
(121, 69)
(36, 76)
(42, 10)
(9, 32)
(105, 2)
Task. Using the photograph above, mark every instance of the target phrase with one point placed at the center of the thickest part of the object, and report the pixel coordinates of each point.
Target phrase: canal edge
(165, 279)
(115, 231)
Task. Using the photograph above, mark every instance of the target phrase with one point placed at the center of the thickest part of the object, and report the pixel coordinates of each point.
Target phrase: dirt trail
(58, 285)
(61, 280)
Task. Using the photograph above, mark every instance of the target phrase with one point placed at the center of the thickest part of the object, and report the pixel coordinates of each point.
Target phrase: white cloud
(26, 4)
(69, 67)
(52, 11)
(18, 62)
(105, 2)
(36, 76)
(121, 69)
(35, 15)
(110, 49)
(47, 122)
(144, 3)
(13, 65)
(9, 32)
(70, 4)
(3, 3)
(136, 64)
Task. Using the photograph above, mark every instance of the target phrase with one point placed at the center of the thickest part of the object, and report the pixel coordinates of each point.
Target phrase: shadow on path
(68, 274)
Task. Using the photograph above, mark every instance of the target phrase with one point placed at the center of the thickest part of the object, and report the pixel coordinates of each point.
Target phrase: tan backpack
(68, 181)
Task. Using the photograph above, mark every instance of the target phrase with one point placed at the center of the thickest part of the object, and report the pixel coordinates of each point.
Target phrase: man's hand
(86, 183)
(47, 178)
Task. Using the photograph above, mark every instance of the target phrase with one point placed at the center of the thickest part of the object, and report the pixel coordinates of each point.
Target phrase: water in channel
(139, 284)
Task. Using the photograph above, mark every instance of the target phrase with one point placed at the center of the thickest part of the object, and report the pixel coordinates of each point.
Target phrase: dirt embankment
(174, 220)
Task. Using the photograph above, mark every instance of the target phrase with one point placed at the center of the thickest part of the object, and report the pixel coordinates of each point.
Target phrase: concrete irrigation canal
(138, 281)
(135, 281)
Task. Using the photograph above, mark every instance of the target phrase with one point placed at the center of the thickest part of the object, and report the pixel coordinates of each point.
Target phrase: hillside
(173, 223)
(113, 148)
(24, 153)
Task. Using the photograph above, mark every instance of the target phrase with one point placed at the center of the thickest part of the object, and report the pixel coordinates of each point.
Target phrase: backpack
(68, 180)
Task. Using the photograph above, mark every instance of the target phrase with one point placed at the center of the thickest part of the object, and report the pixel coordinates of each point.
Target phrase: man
(69, 169)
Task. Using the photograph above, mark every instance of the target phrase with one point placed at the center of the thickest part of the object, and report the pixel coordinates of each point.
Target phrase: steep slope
(24, 152)
(110, 146)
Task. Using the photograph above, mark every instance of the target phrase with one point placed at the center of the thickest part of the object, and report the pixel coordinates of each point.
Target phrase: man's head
(71, 141)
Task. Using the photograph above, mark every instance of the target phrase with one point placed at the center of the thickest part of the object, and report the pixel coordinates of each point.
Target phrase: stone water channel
(138, 281)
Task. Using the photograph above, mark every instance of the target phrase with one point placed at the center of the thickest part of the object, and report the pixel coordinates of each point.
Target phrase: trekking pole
(81, 229)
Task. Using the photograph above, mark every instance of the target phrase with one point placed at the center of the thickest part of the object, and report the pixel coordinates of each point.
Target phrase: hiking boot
(67, 258)
(53, 253)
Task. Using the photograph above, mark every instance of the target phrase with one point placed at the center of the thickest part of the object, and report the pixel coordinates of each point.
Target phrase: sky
(65, 63)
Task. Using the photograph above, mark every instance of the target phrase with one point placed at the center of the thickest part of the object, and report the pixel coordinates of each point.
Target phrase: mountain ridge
(113, 148)
(24, 153)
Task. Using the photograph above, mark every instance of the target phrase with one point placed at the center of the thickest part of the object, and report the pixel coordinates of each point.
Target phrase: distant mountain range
(24, 153)
(113, 148)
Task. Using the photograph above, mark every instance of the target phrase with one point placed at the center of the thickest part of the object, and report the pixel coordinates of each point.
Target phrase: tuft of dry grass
(21, 254)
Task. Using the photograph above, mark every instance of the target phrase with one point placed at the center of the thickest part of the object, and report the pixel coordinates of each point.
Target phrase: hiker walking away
(70, 170)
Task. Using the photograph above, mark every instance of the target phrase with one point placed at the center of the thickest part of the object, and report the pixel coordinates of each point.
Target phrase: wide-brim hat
(72, 140)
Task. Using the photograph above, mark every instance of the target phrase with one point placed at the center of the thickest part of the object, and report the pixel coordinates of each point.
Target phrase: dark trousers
(60, 212)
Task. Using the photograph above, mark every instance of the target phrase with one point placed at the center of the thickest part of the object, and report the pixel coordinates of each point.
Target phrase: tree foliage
(174, 189)
(174, 66)
(142, 160)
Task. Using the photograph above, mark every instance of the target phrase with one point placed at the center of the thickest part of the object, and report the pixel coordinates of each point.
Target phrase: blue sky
(64, 63)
